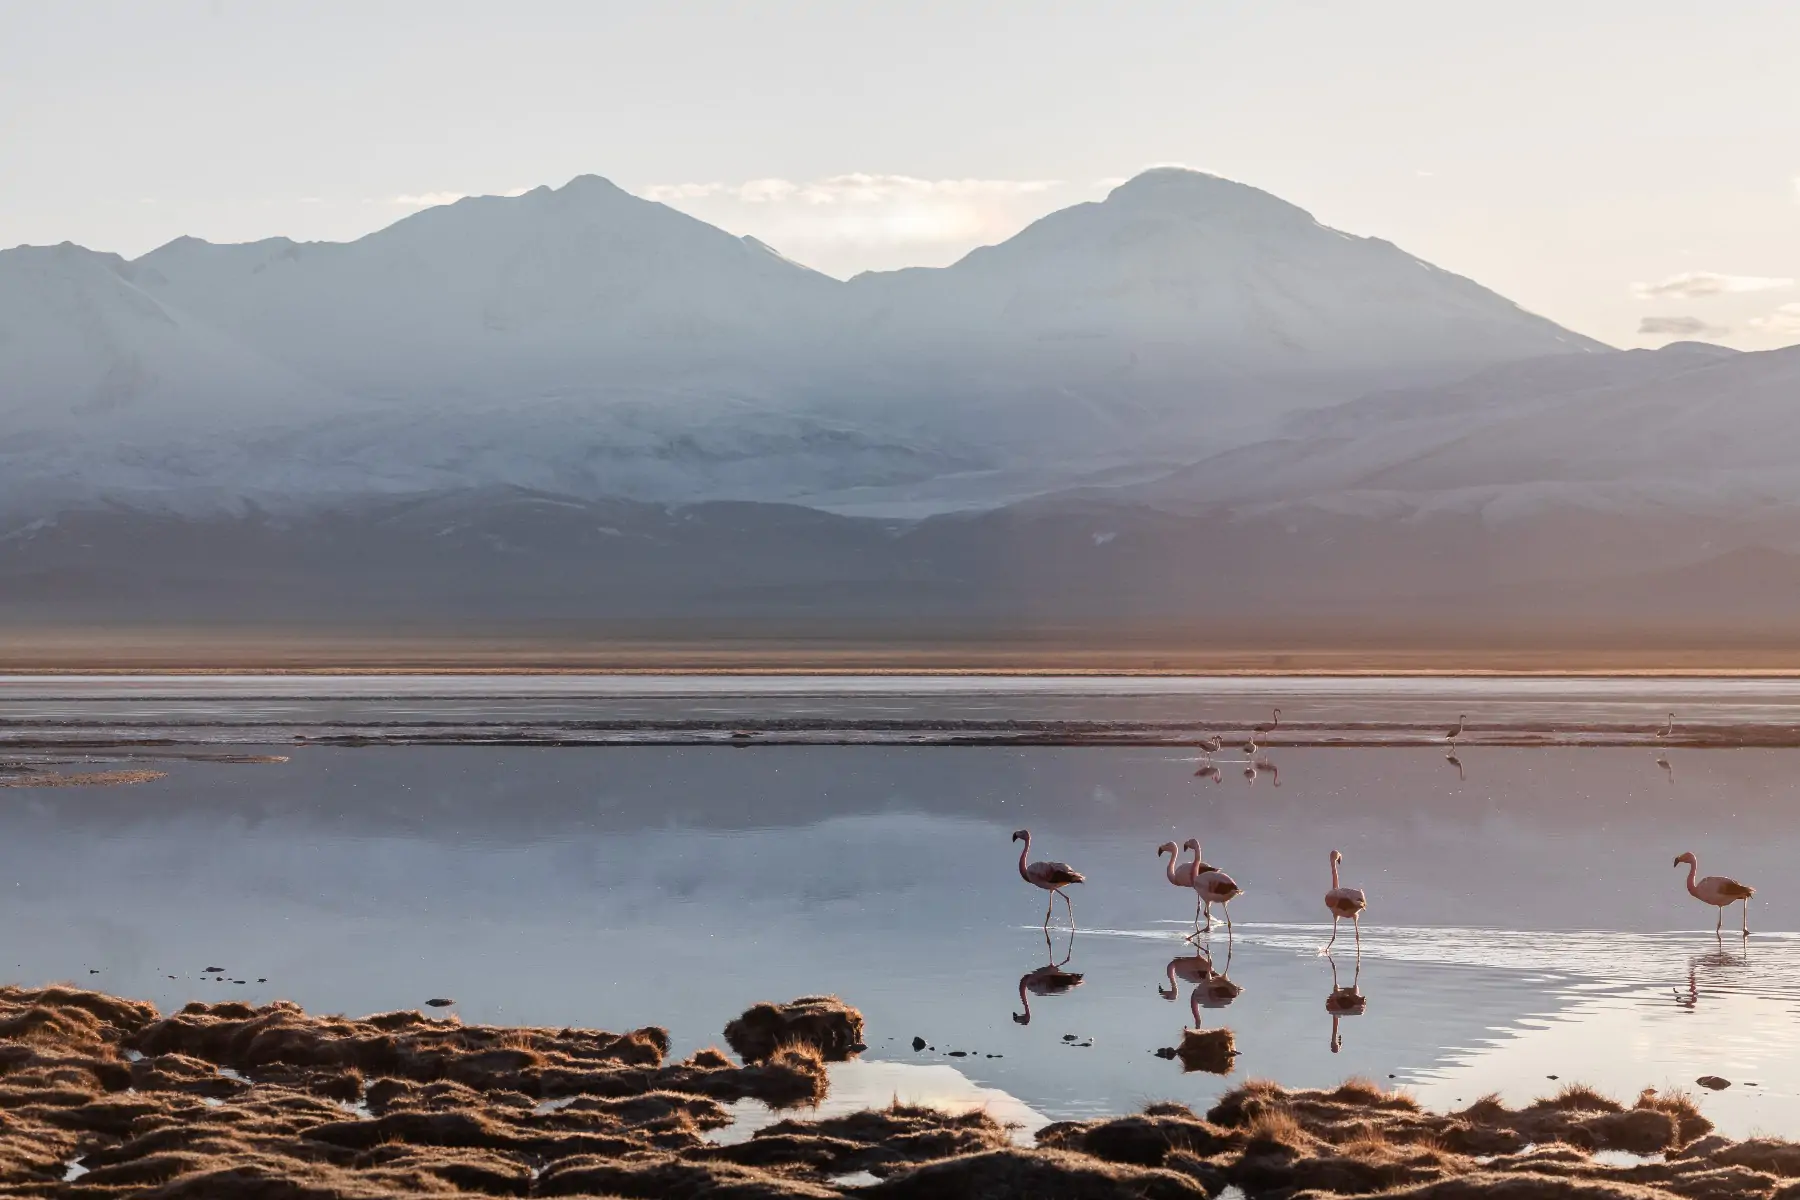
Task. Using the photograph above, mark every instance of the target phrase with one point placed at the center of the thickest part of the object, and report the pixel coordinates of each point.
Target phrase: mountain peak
(1183, 191)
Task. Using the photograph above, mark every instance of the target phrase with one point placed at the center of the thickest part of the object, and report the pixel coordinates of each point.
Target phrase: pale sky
(1604, 162)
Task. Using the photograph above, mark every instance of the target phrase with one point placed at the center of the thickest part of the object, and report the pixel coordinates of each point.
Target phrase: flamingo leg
(1071, 905)
(1356, 924)
(1333, 941)
(1746, 918)
(1720, 924)
(1047, 910)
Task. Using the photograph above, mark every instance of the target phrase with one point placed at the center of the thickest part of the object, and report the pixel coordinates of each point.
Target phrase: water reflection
(1047, 980)
(1188, 968)
(1344, 1001)
(1453, 760)
(1719, 967)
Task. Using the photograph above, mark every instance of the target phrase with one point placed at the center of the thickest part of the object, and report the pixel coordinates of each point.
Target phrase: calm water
(1524, 918)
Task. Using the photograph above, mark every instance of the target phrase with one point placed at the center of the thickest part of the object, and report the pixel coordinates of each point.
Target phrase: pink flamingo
(1182, 874)
(1716, 890)
(1053, 877)
(1215, 887)
(1343, 902)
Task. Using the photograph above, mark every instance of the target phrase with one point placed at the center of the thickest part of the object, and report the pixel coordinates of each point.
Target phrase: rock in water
(1209, 1050)
(825, 1023)
(1713, 1083)
(439, 1002)
(918, 1044)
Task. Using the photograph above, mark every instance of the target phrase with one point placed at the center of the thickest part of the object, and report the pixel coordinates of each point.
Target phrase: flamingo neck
(1023, 851)
(1193, 871)
(1334, 873)
(1693, 870)
(1025, 1000)
(1169, 867)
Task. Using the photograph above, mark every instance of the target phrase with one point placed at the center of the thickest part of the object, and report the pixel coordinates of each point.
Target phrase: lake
(1525, 925)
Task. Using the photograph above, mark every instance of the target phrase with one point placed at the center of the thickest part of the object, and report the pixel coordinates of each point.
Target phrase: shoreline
(107, 1097)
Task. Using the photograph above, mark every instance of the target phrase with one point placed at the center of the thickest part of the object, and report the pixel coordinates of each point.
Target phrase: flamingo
(1457, 730)
(1209, 746)
(1182, 874)
(1250, 747)
(1216, 887)
(1273, 725)
(1053, 877)
(1715, 890)
(1047, 980)
(1344, 1002)
(1668, 729)
(1343, 902)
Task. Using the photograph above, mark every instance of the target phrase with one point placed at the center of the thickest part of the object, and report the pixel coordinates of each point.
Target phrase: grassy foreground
(102, 1097)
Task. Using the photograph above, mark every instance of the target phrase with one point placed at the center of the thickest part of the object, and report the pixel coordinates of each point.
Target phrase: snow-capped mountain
(584, 340)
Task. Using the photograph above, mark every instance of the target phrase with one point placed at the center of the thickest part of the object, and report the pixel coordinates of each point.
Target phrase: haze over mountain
(585, 340)
(1188, 402)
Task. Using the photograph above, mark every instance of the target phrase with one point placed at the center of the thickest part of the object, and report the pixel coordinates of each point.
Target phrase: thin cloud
(1784, 321)
(1679, 327)
(866, 220)
(426, 199)
(1695, 285)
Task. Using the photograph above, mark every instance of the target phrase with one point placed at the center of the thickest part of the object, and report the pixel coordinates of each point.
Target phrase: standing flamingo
(1209, 746)
(1457, 730)
(1715, 890)
(1182, 874)
(1343, 902)
(1053, 877)
(1667, 730)
(1250, 747)
(1273, 725)
(1216, 887)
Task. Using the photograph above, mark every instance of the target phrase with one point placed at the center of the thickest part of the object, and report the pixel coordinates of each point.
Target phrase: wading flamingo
(1209, 746)
(1250, 747)
(1344, 902)
(1181, 874)
(1668, 729)
(1273, 725)
(1047, 980)
(1053, 877)
(1216, 887)
(1716, 890)
(1457, 730)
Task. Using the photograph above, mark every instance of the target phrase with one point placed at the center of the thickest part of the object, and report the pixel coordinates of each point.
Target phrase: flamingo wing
(1726, 889)
(1346, 900)
(1054, 874)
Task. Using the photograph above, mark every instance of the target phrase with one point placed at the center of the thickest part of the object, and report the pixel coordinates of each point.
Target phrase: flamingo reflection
(1344, 1001)
(1720, 964)
(1461, 775)
(1195, 968)
(1047, 980)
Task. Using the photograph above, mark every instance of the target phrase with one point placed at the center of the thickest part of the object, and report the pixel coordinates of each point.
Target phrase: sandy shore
(102, 1097)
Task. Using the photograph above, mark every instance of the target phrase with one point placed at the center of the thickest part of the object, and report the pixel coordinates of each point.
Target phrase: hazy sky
(1604, 162)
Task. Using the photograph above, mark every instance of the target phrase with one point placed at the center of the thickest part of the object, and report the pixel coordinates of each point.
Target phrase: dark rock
(1713, 1083)
(439, 1002)
(918, 1044)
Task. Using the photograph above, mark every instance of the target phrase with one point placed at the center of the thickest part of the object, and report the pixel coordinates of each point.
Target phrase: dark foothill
(439, 1002)
(918, 1043)
(1713, 1083)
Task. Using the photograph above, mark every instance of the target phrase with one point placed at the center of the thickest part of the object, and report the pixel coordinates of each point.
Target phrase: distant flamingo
(1047, 980)
(1250, 747)
(1053, 877)
(1715, 890)
(1668, 729)
(1209, 746)
(1273, 725)
(1457, 730)
(1343, 902)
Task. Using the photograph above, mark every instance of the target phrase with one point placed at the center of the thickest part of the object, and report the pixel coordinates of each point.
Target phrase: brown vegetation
(398, 1104)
